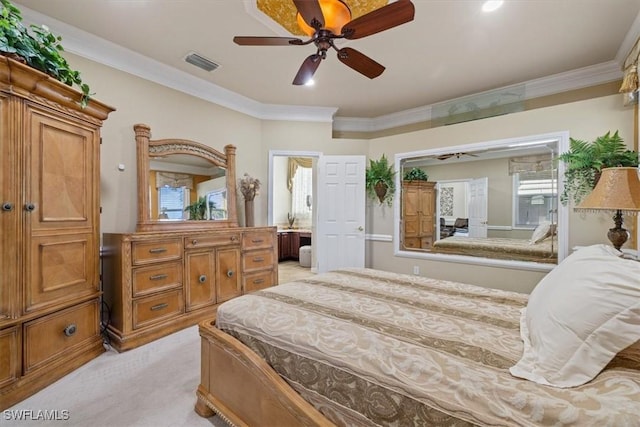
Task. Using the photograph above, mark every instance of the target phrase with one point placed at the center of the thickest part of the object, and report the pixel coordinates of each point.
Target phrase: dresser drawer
(49, 336)
(153, 309)
(258, 280)
(156, 278)
(211, 239)
(156, 250)
(258, 240)
(256, 260)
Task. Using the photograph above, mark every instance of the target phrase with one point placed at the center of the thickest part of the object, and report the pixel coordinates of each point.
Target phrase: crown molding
(104, 52)
(557, 83)
(99, 50)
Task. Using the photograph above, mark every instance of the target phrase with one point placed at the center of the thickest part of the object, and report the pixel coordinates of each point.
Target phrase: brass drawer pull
(202, 278)
(70, 330)
(257, 240)
(157, 250)
(194, 242)
(159, 306)
(258, 281)
(158, 277)
(7, 206)
(234, 238)
(230, 273)
(258, 259)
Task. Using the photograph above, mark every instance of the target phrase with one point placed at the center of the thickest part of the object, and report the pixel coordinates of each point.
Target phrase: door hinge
(100, 209)
(100, 140)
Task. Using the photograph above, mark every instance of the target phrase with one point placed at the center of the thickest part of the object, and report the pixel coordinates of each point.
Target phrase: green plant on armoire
(36, 47)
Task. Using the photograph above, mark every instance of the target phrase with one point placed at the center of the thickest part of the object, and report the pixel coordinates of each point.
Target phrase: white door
(478, 193)
(341, 212)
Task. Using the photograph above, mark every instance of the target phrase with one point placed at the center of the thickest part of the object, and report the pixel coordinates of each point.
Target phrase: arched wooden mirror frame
(148, 149)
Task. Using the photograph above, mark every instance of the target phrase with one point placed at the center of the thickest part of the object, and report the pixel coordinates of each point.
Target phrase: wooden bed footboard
(243, 389)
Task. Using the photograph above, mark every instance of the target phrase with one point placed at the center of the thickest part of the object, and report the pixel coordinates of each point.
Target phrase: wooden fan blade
(266, 41)
(444, 156)
(389, 16)
(310, 12)
(307, 69)
(360, 62)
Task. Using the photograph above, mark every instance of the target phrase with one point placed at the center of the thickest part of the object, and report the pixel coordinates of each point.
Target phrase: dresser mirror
(484, 203)
(183, 184)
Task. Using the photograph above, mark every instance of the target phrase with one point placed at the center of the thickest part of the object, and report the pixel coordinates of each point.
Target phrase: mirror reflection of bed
(487, 204)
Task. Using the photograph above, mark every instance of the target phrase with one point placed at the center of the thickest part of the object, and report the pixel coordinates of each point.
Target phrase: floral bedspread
(370, 348)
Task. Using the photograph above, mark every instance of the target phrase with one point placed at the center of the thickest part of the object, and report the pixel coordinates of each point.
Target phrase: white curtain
(301, 188)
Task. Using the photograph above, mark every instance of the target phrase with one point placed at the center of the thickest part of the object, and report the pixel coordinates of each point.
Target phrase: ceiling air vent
(201, 62)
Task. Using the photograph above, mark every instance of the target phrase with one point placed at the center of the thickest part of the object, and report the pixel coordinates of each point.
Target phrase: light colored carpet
(153, 385)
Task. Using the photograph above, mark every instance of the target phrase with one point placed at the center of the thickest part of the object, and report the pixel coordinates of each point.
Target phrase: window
(534, 198)
(172, 201)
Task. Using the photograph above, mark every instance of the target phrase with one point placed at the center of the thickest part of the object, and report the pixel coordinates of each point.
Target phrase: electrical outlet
(416, 270)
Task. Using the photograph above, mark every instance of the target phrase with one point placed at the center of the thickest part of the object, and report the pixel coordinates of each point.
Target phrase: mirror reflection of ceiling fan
(456, 155)
(327, 20)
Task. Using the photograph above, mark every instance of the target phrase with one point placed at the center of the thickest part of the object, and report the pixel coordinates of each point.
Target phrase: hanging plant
(379, 180)
(38, 48)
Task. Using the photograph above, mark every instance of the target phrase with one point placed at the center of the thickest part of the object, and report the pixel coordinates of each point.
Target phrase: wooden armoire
(418, 214)
(49, 230)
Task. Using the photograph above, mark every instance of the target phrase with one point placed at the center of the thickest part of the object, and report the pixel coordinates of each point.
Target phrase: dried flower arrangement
(249, 186)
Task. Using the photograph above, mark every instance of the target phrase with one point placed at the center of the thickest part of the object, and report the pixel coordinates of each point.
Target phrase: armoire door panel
(10, 196)
(60, 266)
(60, 193)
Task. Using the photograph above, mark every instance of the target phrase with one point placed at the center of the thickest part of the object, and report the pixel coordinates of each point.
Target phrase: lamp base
(617, 235)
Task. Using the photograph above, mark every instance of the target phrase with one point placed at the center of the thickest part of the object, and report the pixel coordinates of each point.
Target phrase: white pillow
(579, 317)
(542, 231)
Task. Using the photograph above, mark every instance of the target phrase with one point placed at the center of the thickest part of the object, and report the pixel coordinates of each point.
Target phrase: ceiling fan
(327, 20)
(456, 155)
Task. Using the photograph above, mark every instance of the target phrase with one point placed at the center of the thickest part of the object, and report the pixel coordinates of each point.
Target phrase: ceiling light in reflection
(310, 82)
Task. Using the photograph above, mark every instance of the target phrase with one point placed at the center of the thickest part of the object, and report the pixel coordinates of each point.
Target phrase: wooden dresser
(49, 231)
(418, 214)
(156, 283)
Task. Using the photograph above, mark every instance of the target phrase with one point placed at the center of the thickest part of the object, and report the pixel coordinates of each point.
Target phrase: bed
(367, 347)
(545, 251)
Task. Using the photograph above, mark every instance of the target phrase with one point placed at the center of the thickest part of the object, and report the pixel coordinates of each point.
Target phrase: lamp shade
(617, 189)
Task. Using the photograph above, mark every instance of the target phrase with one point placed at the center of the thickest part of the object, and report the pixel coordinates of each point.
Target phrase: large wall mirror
(183, 184)
(492, 203)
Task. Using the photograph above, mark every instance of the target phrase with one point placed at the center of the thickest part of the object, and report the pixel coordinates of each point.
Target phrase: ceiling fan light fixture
(335, 12)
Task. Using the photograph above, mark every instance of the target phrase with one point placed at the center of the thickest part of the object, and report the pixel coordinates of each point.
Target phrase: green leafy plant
(416, 174)
(585, 160)
(38, 48)
(379, 180)
(198, 209)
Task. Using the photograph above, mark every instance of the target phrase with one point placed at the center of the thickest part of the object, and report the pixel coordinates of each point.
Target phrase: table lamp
(618, 191)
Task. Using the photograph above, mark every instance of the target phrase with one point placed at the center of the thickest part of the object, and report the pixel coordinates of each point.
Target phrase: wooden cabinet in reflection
(418, 214)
